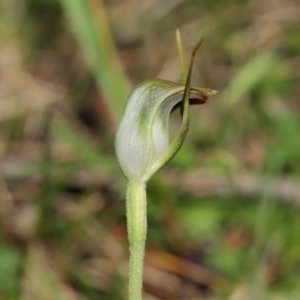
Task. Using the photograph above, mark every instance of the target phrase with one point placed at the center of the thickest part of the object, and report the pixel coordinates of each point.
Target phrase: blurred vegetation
(223, 215)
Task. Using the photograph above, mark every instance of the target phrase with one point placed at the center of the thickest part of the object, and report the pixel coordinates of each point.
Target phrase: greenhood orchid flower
(143, 147)
(143, 134)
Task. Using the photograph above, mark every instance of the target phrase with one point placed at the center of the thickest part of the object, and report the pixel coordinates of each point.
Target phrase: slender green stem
(136, 206)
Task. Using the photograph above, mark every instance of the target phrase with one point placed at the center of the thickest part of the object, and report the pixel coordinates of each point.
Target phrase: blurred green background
(223, 215)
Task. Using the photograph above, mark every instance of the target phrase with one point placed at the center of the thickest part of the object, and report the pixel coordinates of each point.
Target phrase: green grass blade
(89, 22)
(249, 76)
